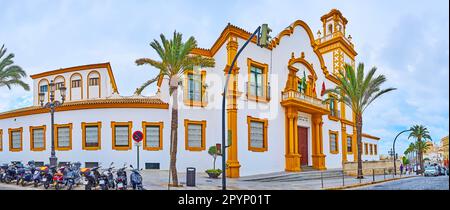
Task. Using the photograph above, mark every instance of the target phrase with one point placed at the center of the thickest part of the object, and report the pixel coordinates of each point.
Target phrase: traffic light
(264, 38)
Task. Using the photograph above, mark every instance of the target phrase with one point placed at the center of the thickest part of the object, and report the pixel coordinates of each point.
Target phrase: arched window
(94, 84)
(43, 88)
(59, 81)
(76, 87)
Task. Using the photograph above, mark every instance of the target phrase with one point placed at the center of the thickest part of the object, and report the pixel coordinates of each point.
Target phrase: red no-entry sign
(138, 136)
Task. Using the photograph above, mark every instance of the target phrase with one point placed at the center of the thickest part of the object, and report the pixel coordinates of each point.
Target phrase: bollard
(373, 174)
(321, 178)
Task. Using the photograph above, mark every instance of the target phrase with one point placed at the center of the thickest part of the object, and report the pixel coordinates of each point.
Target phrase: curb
(367, 184)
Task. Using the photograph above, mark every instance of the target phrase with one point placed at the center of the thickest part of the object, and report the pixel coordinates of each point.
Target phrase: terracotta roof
(151, 103)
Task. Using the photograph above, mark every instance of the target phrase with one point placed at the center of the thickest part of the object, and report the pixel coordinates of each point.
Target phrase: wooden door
(303, 145)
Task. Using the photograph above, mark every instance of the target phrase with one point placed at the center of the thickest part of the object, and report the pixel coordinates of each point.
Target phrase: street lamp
(393, 150)
(52, 104)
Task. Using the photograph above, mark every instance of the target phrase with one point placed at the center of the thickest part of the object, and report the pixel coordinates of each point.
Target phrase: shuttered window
(257, 134)
(92, 138)
(194, 135)
(63, 137)
(38, 138)
(349, 144)
(16, 139)
(334, 146)
(122, 136)
(152, 136)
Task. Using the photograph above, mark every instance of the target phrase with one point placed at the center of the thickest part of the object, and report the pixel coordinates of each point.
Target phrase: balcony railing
(332, 36)
(302, 97)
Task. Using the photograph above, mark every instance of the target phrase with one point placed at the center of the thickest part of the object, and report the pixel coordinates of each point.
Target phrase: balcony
(304, 103)
(334, 35)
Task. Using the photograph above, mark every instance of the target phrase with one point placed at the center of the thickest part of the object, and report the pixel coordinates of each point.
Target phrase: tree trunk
(359, 143)
(421, 156)
(174, 137)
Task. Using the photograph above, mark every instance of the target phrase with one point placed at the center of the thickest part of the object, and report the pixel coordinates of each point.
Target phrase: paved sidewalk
(157, 180)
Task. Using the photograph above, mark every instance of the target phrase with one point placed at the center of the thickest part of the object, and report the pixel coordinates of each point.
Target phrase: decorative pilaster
(292, 156)
(233, 165)
(318, 157)
(344, 142)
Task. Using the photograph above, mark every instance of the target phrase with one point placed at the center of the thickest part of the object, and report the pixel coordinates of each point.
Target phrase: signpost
(138, 136)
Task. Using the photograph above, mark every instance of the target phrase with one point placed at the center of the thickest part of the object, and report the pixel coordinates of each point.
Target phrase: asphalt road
(416, 183)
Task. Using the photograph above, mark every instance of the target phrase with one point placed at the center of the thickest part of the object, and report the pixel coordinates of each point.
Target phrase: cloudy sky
(406, 40)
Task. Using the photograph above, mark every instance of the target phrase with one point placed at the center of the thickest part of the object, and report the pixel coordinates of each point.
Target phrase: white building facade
(274, 122)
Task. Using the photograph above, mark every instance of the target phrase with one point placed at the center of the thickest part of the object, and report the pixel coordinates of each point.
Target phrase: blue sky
(406, 40)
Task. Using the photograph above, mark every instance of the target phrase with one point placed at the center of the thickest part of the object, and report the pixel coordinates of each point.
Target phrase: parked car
(431, 171)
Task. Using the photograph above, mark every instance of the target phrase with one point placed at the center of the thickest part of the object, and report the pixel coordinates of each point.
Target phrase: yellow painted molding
(10, 131)
(99, 135)
(186, 138)
(58, 126)
(265, 123)
(113, 128)
(160, 125)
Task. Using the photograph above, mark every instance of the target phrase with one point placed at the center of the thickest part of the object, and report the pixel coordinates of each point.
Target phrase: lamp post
(52, 104)
(393, 150)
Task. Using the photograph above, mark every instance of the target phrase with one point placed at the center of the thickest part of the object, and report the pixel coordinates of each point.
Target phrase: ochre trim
(80, 68)
(32, 128)
(81, 85)
(99, 135)
(58, 126)
(99, 84)
(265, 134)
(113, 128)
(144, 129)
(332, 151)
(352, 137)
(370, 136)
(186, 142)
(1, 140)
(265, 68)
(90, 104)
(10, 131)
(366, 148)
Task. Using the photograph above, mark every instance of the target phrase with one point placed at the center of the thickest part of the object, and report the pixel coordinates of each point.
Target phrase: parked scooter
(58, 178)
(3, 170)
(39, 175)
(122, 179)
(27, 175)
(136, 179)
(47, 177)
(90, 177)
(106, 179)
(11, 173)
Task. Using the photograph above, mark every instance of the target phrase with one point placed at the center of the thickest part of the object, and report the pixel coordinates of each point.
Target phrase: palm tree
(175, 58)
(420, 133)
(358, 91)
(11, 75)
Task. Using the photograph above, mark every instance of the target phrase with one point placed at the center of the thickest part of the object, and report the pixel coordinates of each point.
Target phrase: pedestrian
(406, 169)
(401, 169)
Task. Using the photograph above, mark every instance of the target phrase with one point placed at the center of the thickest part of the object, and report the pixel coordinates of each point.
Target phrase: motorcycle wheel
(36, 183)
(87, 187)
(18, 181)
(22, 183)
(69, 186)
(57, 186)
(46, 185)
(104, 187)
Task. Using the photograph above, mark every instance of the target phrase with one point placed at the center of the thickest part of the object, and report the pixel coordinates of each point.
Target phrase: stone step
(286, 177)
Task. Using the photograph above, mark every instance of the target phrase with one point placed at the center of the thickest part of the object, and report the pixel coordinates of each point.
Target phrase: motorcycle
(39, 175)
(121, 179)
(27, 175)
(47, 177)
(136, 179)
(58, 179)
(106, 179)
(72, 176)
(90, 177)
(11, 173)
(3, 170)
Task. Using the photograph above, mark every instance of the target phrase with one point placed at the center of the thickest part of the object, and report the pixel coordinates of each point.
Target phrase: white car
(431, 171)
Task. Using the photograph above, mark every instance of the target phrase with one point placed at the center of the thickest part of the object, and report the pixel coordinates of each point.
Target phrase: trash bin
(190, 177)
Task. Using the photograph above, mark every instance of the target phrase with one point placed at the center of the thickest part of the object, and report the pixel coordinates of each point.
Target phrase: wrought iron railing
(302, 97)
